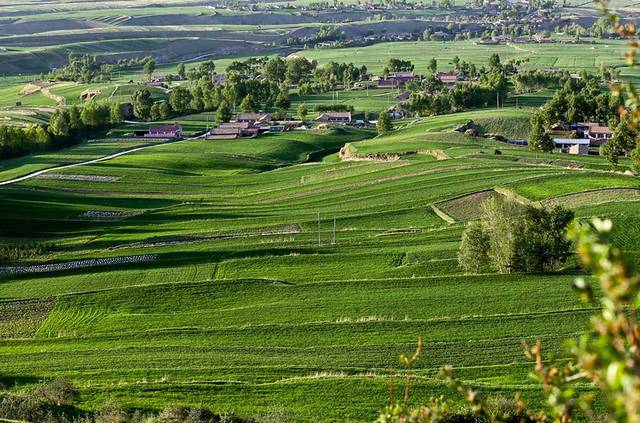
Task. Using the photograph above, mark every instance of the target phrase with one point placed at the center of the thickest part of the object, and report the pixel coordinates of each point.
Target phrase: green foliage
(303, 111)
(248, 104)
(384, 124)
(223, 113)
(512, 237)
(180, 100)
(148, 68)
(539, 140)
(473, 254)
(142, 103)
(95, 114)
(116, 115)
(88, 69)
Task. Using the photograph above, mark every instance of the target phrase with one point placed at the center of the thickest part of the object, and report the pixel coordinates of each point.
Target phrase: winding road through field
(92, 161)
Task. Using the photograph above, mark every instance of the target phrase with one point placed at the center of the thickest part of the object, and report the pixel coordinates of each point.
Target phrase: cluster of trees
(73, 123)
(533, 80)
(67, 126)
(86, 68)
(511, 237)
(330, 76)
(582, 100)
(431, 97)
(16, 141)
(398, 65)
(249, 95)
(243, 90)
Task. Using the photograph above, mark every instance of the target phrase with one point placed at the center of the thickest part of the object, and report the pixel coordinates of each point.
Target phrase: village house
(388, 84)
(165, 131)
(233, 130)
(156, 81)
(572, 145)
(594, 132)
(402, 77)
(254, 118)
(334, 117)
(449, 78)
(218, 79)
(598, 135)
(579, 149)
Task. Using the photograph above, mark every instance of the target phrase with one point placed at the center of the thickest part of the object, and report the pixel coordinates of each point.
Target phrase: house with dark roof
(254, 118)
(598, 135)
(334, 117)
(165, 131)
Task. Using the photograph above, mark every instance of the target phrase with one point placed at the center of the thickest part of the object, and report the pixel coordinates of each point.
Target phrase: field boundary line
(442, 215)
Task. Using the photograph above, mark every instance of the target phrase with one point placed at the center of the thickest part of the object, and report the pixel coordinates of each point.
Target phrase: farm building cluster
(590, 136)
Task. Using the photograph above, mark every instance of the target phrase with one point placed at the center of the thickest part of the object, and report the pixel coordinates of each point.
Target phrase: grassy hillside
(214, 289)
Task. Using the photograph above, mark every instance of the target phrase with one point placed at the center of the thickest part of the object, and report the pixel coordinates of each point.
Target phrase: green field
(238, 307)
(574, 58)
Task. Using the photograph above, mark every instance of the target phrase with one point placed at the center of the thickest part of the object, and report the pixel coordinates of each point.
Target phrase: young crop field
(572, 57)
(267, 274)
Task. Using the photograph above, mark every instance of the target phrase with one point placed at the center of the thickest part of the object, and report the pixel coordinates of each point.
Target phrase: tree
(539, 140)
(472, 255)
(93, 115)
(116, 116)
(182, 71)
(248, 104)
(165, 110)
(494, 63)
(142, 102)
(433, 65)
(625, 136)
(148, 68)
(611, 150)
(302, 111)
(180, 100)
(223, 114)
(155, 112)
(384, 124)
(208, 69)
(59, 123)
(74, 118)
(513, 237)
(540, 245)
(282, 102)
(275, 70)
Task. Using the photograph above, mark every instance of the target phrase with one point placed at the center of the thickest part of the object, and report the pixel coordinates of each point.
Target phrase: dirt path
(88, 162)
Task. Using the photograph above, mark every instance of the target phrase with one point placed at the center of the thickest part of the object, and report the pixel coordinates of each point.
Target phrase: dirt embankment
(348, 153)
(43, 87)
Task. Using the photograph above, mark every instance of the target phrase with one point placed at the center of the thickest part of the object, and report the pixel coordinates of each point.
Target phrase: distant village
(585, 137)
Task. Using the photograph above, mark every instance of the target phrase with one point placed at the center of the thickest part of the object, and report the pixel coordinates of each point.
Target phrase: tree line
(86, 68)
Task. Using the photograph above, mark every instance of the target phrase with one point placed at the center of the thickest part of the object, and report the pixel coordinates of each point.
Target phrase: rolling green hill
(192, 273)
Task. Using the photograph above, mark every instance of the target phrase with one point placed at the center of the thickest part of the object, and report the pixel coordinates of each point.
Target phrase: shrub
(57, 392)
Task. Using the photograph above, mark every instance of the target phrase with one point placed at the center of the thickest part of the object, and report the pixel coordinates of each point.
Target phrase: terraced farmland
(244, 301)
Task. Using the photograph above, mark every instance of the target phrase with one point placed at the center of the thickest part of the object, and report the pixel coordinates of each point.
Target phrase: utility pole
(497, 100)
(333, 239)
(319, 244)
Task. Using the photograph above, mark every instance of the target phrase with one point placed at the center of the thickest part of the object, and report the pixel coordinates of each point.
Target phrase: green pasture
(248, 305)
(571, 57)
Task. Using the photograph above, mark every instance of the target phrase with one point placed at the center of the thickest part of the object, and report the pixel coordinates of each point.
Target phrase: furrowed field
(194, 273)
